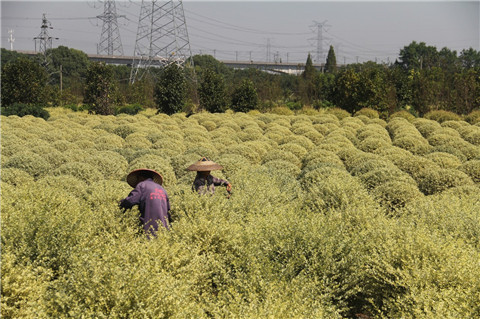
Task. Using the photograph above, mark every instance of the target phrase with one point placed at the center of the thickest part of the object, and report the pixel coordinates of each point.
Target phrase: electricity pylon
(162, 37)
(44, 39)
(320, 56)
(110, 42)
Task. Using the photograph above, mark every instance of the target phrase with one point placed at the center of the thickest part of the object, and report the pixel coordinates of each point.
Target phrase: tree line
(422, 79)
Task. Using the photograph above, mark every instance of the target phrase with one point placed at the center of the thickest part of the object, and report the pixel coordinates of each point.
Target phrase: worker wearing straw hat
(204, 182)
(151, 198)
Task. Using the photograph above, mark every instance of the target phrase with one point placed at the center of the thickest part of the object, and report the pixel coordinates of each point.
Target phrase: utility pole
(110, 42)
(162, 37)
(11, 39)
(268, 50)
(319, 27)
(44, 39)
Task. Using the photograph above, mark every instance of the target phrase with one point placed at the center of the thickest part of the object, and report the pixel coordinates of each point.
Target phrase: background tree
(212, 92)
(245, 97)
(470, 58)
(331, 65)
(100, 89)
(418, 56)
(309, 71)
(23, 81)
(170, 90)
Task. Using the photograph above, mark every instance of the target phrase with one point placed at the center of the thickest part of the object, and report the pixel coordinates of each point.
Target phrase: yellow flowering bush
(330, 216)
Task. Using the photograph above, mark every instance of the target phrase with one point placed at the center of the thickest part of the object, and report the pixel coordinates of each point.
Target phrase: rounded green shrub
(281, 110)
(15, 176)
(50, 154)
(372, 130)
(282, 155)
(471, 134)
(282, 167)
(233, 164)
(296, 149)
(472, 169)
(371, 144)
(204, 149)
(68, 183)
(329, 188)
(366, 165)
(473, 117)
(82, 171)
(338, 112)
(442, 116)
(434, 181)
(378, 176)
(368, 112)
(426, 126)
(108, 142)
(444, 160)
(111, 164)
(413, 144)
(34, 164)
(394, 195)
(245, 151)
(455, 124)
(403, 114)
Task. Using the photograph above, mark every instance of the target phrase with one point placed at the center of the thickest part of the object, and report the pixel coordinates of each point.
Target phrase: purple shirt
(203, 185)
(153, 203)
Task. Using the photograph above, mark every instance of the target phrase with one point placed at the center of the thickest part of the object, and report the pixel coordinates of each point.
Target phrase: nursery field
(331, 216)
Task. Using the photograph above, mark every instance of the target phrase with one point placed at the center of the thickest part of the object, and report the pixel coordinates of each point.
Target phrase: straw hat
(135, 176)
(204, 165)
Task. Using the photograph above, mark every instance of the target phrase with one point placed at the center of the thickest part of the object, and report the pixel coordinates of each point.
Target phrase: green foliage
(170, 90)
(331, 64)
(23, 82)
(100, 89)
(22, 109)
(130, 109)
(442, 116)
(245, 97)
(370, 113)
(212, 92)
(473, 117)
(315, 227)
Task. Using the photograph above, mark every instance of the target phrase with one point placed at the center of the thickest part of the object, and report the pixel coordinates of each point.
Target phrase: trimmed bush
(378, 176)
(473, 117)
(281, 110)
(34, 164)
(442, 116)
(436, 181)
(338, 112)
(282, 155)
(15, 176)
(472, 169)
(444, 160)
(394, 195)
(21, 109)
(403, 114)
(82, 171)
(370, 113)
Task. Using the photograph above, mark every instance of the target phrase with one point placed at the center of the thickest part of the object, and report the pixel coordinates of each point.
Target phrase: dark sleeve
(219, 182)
(133, 198)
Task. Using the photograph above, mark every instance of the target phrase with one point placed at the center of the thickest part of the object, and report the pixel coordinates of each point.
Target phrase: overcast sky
(288, 30)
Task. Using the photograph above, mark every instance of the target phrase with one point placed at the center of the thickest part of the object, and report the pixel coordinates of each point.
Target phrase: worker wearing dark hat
(204, 182)
(151, 198)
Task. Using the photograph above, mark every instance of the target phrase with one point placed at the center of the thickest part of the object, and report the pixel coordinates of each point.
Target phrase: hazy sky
(358, 30)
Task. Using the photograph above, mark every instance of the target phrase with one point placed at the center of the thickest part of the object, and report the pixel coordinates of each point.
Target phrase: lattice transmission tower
(110, 41)
(162, 37)
(44, 40)
(320, 38)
